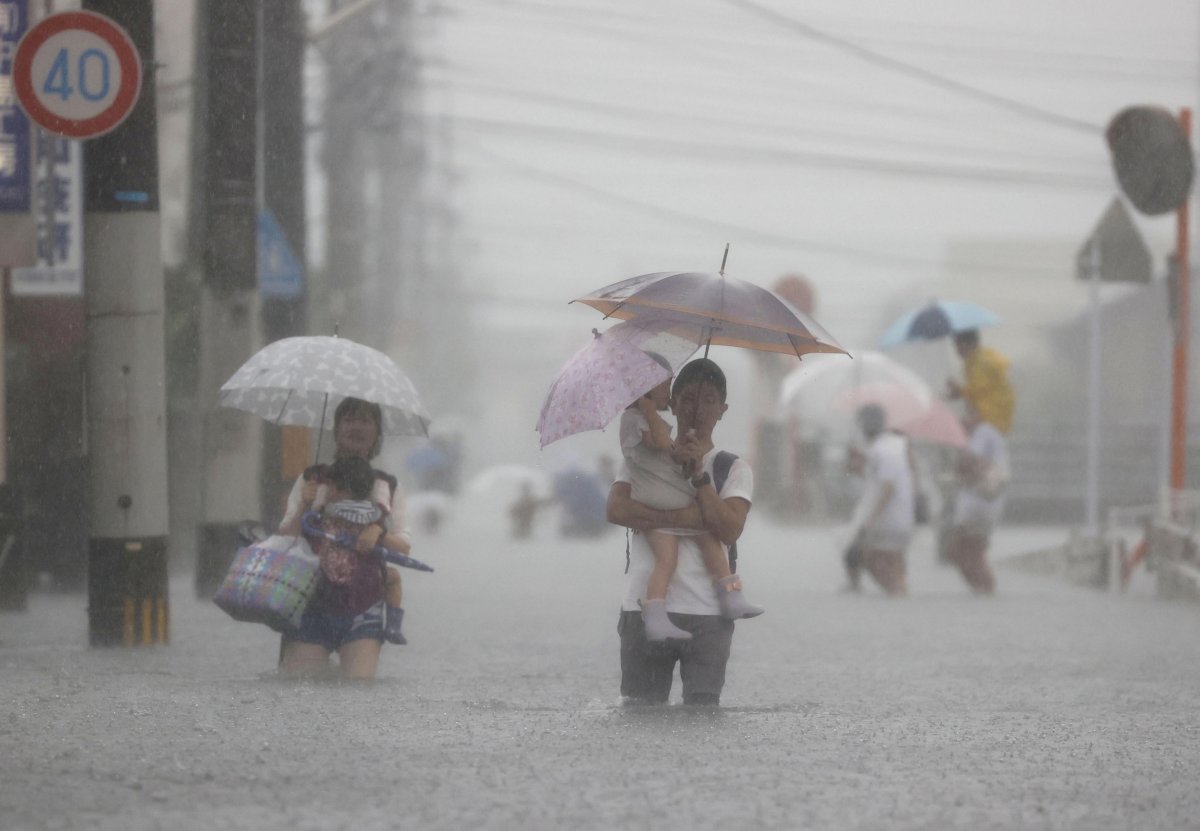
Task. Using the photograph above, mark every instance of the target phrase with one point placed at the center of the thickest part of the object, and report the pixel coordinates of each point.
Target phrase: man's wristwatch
(701, 480)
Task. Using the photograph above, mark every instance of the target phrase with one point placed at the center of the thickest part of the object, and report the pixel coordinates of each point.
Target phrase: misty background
(472, 167)
(887, 154)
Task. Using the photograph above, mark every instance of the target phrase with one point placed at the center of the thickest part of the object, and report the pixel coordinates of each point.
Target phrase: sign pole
(1092, 504)
(1179, 381)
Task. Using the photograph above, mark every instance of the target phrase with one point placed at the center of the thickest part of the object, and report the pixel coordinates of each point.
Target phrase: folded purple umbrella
(347, 541)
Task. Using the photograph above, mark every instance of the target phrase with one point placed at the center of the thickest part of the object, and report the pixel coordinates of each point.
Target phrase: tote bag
(270, 582)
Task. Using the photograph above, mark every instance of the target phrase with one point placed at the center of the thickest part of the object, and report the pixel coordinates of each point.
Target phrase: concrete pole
(225, 235)
(126, 393)
(285, 451)
(344, 163)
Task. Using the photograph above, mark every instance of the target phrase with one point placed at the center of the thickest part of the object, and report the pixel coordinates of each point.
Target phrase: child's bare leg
(729, 585)
(715, 558)
(665, 548)
(393, 597)
(394, 587)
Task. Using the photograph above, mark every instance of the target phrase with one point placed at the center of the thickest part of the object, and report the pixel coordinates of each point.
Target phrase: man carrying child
(692, 601)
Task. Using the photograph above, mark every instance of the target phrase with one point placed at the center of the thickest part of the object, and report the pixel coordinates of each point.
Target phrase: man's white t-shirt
(971, 508)
(887, 462)
(691, 589)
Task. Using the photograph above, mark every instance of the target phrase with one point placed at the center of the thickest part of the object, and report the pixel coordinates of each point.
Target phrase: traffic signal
(1152, 158)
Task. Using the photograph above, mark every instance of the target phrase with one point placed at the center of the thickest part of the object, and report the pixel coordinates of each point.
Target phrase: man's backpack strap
(721, 465)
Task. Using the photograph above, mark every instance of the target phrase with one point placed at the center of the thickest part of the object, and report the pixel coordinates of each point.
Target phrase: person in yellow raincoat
(985, 381)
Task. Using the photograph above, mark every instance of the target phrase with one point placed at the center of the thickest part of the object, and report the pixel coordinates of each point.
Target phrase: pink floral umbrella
(611, 372)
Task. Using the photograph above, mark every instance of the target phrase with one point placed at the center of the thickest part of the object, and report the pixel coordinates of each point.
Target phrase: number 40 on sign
(77, 74)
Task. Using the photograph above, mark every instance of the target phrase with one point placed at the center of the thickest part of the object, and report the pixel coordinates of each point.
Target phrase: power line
(861, 52)
(768, 155)
(608, 21)
(726, 228)
(642, 114)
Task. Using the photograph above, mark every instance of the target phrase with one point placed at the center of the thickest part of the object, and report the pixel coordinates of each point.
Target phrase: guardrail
(1162, 536)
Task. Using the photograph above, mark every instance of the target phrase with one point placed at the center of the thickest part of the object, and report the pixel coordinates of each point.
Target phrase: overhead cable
(744, 232)
(1011, 104)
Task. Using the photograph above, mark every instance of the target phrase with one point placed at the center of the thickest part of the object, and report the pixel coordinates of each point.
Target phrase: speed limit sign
(77, 74)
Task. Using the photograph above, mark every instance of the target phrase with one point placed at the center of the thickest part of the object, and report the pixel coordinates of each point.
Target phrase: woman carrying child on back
(657, 480)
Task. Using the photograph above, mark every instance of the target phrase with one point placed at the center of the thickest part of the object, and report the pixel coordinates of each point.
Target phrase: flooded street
(1045, 707)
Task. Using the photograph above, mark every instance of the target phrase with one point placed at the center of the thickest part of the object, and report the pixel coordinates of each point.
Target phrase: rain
(430, 206)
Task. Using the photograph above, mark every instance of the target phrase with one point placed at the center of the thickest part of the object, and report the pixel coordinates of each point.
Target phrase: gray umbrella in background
(300, 381)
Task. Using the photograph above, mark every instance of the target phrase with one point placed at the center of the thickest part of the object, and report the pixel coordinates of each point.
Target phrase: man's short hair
(701, 370)
(967, 337)
(872, 419)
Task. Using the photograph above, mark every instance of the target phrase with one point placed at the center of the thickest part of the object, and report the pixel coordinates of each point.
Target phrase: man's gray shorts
(647, 669)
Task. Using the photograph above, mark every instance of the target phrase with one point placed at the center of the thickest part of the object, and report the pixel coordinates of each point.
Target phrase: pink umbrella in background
(939, 425)
(930, 420)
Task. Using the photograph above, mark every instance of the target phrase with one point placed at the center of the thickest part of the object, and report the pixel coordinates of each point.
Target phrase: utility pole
(349, 58)
(285, 308)
(126, 399)
(225, 245)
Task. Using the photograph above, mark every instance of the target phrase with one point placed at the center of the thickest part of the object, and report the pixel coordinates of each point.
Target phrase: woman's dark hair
(353, 475)
(356, 406)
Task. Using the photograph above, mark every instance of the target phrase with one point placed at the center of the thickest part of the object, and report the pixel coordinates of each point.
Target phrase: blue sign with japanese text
(58, 191)
(15, 155)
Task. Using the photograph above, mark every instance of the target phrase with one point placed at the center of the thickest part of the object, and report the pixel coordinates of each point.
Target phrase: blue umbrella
(937, 320)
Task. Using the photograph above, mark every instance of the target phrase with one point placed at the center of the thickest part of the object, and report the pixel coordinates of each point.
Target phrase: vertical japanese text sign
(59, 189)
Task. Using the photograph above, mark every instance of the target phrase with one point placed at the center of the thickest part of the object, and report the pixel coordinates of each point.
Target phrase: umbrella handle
(321, 431)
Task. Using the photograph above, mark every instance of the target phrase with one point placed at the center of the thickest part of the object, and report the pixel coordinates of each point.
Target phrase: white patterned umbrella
(302, 380)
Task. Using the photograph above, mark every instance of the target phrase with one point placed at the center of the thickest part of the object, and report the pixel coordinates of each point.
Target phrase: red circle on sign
(127, 57)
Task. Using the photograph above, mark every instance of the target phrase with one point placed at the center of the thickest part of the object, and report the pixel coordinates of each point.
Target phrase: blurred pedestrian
(983, 471)
(723, 484)
(328, 626)
(882, 524)
(985, 386)
(524, 510)
(581, 500)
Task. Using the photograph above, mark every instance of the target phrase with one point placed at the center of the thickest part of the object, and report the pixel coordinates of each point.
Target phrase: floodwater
(1047, 706)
